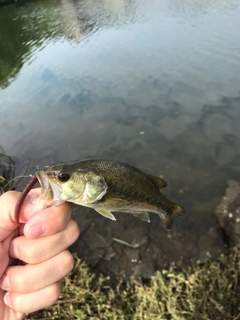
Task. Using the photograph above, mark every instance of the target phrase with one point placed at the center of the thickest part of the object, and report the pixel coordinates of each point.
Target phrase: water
(155, 84)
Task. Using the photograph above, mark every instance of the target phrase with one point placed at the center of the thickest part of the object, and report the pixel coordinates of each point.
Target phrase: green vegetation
(209, 291)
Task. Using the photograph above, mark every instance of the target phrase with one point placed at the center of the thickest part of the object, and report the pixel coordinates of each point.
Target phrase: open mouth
(50, 191)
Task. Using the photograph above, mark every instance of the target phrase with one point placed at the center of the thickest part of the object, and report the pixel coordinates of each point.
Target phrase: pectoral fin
(160, 183)
(106, 214)
(142, 215)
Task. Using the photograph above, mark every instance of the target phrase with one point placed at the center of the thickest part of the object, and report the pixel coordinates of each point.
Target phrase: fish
(107, 187)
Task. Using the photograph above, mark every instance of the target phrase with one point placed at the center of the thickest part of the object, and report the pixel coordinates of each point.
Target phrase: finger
(40, 221)
(38, 250)
(4, 248)
(30, 302)
(33, 203)
(48, 221)
(7, 205)
(31, 278)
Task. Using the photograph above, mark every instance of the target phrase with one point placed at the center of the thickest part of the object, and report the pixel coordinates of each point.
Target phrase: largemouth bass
(107, 186)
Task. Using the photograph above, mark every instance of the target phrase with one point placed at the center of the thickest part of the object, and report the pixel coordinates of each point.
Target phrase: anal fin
(106, 214)
(142, 215)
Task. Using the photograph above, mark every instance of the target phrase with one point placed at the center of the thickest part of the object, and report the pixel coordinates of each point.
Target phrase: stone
(228, 214)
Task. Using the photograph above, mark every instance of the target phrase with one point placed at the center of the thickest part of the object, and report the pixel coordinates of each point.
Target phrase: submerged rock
(208, 245)
(228, 214)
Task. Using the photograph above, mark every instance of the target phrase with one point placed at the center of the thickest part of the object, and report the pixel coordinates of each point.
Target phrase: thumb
(7, 205)
(32, 204)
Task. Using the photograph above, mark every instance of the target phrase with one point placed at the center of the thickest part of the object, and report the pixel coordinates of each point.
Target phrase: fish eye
(63, 176)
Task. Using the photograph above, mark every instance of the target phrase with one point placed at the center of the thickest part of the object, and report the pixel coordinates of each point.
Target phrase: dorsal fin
(160, 183)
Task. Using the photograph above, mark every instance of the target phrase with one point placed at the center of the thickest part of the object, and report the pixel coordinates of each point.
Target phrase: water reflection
(50, 20)
(153, 85)
(21, 33)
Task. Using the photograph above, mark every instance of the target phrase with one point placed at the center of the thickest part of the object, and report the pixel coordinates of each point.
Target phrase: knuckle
(74, 230)
(9, 195)
(18, 280)
(19, 305)
(30, 255)
(70, 234)
(28, 303)
(67, 262)
(52, 293)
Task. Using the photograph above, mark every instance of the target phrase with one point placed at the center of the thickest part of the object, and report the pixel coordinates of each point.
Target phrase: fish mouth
(50, 191)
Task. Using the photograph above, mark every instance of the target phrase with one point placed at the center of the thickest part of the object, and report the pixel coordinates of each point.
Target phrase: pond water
(152, 83)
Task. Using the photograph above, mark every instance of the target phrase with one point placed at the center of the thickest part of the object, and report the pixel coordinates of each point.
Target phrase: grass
(209, 291)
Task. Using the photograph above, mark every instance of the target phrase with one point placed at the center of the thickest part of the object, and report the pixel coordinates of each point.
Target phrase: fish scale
(108, 186)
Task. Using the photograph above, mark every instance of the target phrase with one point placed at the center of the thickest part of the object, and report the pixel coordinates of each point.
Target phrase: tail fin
(168, 219)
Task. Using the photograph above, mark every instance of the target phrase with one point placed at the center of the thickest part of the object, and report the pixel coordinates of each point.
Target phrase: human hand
(45, 235)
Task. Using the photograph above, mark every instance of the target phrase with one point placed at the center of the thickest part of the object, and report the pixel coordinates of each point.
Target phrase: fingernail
(7, 299)
(4, 283)
(13, 251)
(37, 230)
